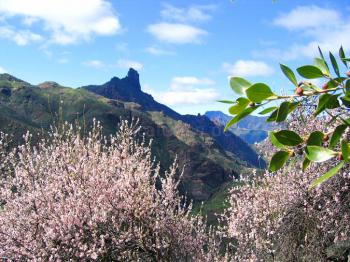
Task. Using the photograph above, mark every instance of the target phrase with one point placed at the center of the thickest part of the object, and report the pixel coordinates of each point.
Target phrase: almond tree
(276, 217)
(74, 198)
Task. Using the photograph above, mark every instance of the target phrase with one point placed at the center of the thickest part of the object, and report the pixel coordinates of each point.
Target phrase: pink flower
(76, 198)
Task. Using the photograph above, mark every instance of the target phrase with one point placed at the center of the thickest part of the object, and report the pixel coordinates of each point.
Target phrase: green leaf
(327, 175)
(273, 116)
(310, 72)
(346, 121)
(306, 164)
(259, 92)
(319, 153)
(241, 104)
(239, 85)
(289, 74)
(333, 83)
(278, 160)
(345, 150)
(337, 134)
(322, 101)
(274, 140)
(346, 101)
(283, 112)
(293, 106)
(342, 56)
(288, 138)
(333, 102)
(321, 64)
(315, 139)
(334, 64)
(267, 110)
(321, 54)
(240, 116)
(347, 86)
(226, 101)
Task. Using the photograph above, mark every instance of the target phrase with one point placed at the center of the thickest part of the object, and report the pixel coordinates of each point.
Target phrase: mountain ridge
(252, 129)
(207, 165)
(118, 88)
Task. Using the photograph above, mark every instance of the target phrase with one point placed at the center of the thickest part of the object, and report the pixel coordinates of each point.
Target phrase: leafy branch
(334, 94)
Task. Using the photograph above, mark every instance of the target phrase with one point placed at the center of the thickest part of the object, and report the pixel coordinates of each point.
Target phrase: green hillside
(207, 166)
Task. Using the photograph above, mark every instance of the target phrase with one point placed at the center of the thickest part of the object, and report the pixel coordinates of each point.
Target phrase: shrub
(92, 198)
(277, 217)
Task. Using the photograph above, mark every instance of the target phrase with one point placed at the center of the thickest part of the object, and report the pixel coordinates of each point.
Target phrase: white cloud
(187, 90)
(328, 40)
(66, 21)
(20, 37)
(126, 64)
(246, 68)
(97, 64)
(304, 17)
(177, 25)
(196, 13)
(2, 70)
(63, 60)
(185, 82)
(317, 26)
(176, 33)
(195, 96)
(158, 51)
(29, 21)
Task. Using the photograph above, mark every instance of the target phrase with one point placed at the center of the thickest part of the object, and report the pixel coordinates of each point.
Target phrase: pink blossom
(81, 198)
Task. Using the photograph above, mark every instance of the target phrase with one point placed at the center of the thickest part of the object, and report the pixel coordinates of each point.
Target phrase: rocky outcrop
(128, 89)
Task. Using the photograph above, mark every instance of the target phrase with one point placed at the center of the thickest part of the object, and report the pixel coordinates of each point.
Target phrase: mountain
(210, 157)
(251, 129)
(129, 89)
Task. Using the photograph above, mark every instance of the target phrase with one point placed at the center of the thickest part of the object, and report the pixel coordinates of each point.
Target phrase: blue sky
(184, 50)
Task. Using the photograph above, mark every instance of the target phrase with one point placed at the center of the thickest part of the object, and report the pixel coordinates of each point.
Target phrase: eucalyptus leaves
(333, 99)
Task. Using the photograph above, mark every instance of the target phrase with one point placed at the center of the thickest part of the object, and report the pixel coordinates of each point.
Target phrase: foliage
(74, 198)
(275, 217)
(333, 99)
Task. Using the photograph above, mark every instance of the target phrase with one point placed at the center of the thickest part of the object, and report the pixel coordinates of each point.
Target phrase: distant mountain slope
(251, 129)
(207, 164)
(128, 89)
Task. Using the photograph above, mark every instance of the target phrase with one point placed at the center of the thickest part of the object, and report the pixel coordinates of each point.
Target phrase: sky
(184, 50)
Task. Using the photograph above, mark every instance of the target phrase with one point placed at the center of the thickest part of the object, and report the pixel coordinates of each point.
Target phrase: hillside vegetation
(207, 164)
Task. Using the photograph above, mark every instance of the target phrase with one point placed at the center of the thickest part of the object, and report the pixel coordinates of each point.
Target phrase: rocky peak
(131, 81)
(134, 78)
